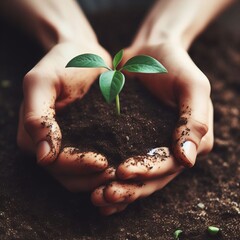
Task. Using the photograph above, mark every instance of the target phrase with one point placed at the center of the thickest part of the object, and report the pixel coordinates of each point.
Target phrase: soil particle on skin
(153, 159)
(182, 121)
(53, 135)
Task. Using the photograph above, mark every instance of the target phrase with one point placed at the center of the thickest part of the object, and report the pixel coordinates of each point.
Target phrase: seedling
(112, 81)
(177, 234)
(213, 230)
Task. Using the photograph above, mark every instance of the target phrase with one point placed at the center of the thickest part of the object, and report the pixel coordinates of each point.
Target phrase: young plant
(177, 234)
(212, 230)
(112, 81)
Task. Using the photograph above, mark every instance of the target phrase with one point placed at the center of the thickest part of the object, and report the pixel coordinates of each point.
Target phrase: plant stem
(117, 105)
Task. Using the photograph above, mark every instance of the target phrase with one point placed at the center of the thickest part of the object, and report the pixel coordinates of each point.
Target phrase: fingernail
(190, 151)
(43, 150)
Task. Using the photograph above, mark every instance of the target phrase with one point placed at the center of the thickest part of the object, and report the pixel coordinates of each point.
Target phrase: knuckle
(204, 85)
(37, 76)
(200, 127)
(31, 78)
(30, 122)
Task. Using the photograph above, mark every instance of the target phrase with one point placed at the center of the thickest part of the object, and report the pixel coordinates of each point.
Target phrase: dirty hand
(48, 87)
(166, 33)
(184, 87)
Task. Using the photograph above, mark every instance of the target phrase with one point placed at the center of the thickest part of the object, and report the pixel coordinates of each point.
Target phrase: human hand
(117, 195)
(48, 87)
(186, 88)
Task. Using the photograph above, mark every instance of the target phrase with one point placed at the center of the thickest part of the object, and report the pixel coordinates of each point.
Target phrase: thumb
(39, 117)
(193, 133)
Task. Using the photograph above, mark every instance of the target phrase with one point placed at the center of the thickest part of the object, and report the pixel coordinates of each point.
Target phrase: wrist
(50, 34)
(56, 22)
(160, 37)
(178, 22)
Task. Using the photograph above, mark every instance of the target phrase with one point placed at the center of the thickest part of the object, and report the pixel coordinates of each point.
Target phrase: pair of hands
(48, 87)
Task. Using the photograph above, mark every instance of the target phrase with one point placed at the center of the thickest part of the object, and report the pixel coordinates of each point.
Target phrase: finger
(111, 200)
(157, 163)
(193, 94)
(97, 197)
(73, 162)
(39, 116)
(126, 193)
(116, 192)
(106, 209)
(87, 182)
(122, 192)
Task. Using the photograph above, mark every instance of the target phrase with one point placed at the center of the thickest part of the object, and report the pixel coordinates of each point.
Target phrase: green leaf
(117, 59)
(111, 84)
(144, 64)
(87, 60)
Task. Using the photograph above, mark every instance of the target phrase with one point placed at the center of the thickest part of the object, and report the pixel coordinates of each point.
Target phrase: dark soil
(91, 124)
(34, 206)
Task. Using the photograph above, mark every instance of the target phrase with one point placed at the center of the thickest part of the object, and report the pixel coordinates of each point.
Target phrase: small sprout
(213, 230)
(177, 234)
(112, 81)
